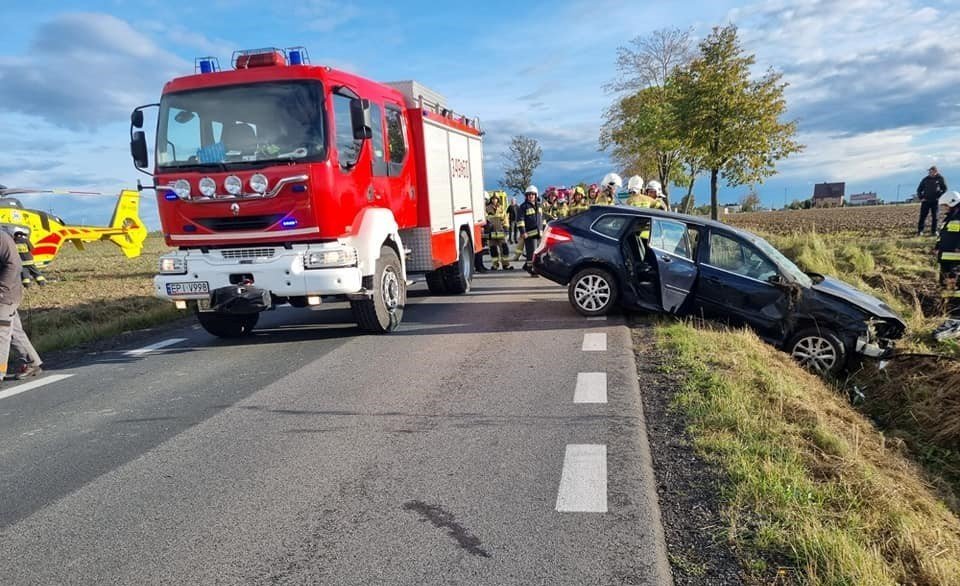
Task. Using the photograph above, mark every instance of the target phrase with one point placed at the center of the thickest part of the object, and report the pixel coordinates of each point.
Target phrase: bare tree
(639, 126)
(521, 160)
(650, 61)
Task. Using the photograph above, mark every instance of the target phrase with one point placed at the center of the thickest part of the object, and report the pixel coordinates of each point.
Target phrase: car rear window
(611, 225)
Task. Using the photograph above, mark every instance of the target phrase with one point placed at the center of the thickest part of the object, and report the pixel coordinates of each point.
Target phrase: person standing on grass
(11, 329)
(928, 192)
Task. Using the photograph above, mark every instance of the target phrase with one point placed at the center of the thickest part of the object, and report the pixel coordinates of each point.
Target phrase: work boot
(27, 370)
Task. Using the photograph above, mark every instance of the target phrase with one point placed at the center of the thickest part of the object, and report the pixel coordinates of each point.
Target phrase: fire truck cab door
(380, 180)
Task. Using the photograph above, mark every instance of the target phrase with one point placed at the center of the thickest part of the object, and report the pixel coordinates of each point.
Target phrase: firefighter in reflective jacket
(578, 202)
(529, 222)
(552, 208)
(29, 271)
(498, 226)
(637, 197)
(655, 192)
(609, 188)
(948, 249)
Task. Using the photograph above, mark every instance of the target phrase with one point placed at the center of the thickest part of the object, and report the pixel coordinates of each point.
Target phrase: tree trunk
(714, 205)
(688, 205)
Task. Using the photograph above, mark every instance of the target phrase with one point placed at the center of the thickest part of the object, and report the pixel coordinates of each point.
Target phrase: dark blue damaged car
(659, 261)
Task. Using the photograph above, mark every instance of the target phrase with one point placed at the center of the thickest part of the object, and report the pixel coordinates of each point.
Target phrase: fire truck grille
(245, 253)
(240, 223)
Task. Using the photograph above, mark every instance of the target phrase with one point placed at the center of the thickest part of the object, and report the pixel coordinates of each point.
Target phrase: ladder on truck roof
(422, 97)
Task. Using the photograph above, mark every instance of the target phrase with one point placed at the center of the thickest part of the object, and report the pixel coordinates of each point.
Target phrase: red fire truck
(281, 182)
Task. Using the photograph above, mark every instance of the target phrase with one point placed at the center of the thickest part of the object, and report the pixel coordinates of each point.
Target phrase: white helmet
(612, 180)
(532, 189)
(635, 184)
(655, 185)
(950, 198)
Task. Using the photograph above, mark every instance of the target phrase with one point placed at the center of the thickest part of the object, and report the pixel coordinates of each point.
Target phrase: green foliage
(521, 159)
(750, 202)
(733, 121)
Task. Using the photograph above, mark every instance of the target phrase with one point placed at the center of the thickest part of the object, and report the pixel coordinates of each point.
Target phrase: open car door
(674, 253)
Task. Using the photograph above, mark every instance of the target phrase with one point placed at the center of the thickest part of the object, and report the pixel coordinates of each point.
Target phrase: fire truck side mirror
(136, 118)
(138, 149)
(360, 116)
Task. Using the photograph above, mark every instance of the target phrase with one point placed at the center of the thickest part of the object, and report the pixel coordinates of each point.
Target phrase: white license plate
(191, 288)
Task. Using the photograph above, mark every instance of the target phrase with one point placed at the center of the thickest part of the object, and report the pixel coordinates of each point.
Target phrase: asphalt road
(460, 450)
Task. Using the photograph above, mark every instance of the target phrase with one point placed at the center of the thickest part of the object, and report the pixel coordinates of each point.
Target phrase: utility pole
(784, 198)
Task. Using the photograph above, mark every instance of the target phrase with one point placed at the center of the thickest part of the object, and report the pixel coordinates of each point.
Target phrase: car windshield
(785, 264)
(243, 124)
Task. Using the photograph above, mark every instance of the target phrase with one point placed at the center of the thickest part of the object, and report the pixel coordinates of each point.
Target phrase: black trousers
(529, 245)
(514, 233)
(928, 207)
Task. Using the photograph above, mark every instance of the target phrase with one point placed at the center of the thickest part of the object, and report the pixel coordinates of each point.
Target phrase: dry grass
(94, 294)
(811, 479)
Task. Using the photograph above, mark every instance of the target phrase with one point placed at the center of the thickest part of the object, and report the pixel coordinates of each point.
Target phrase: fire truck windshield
(242, 125)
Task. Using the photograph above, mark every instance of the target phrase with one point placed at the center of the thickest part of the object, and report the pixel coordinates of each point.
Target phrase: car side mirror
(360, 117)
(138, 149)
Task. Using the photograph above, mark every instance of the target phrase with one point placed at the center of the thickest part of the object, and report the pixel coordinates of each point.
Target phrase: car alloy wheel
(816, 353)
(592, 292)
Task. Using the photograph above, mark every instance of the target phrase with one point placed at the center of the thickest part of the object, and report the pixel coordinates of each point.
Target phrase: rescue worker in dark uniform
(530, 220)
(948, 250)
(29, 272)
(513, 212)
(928, 192)
(499, 226)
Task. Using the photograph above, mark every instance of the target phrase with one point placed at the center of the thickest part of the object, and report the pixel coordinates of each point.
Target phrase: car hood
(857, 298)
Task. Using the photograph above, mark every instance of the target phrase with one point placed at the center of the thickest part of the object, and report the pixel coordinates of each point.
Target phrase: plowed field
(875, 220)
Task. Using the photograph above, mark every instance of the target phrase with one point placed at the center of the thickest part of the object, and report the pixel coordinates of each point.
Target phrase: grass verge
(93, 294)
(810, 479)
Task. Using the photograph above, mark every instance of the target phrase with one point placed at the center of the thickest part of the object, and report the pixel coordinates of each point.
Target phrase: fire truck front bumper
(274, 272)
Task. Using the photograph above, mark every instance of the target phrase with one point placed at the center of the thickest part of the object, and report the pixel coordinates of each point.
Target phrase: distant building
(867, 198)
(732, 208)
(828, 195)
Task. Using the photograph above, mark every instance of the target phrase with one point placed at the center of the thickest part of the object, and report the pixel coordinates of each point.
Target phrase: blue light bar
(289, 223)
(297, 56)
(299, 188)
(170, 196)
(206, 65)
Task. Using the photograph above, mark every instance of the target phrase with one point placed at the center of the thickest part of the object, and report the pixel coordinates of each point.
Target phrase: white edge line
(591, 388)
(583, 482)
(152, 347)
(46, 380)
(594, 342)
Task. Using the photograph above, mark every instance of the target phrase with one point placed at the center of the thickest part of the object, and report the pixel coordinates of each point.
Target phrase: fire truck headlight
(173, 265)
(182, 188)
(208, 187)
(258, 183)
(325, 259)
(233, 185)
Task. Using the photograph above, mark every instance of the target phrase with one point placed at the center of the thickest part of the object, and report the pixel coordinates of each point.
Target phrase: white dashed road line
(152, 347)
(591, 388)
(596, 342)
(583, 484)
(22, 388)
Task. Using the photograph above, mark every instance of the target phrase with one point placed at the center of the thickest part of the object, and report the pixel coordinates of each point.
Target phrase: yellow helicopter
(48, 232)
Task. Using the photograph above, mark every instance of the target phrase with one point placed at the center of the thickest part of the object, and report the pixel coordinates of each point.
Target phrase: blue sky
(875, 84)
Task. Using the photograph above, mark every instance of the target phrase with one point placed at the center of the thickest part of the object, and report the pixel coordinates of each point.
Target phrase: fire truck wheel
(382, 313)
(225, 325)
(436, 283)
(460, 274)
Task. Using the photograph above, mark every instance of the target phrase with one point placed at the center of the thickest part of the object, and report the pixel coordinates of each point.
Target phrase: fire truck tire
(436, 283)
(383, 312)
(224, 325)
(460, 274)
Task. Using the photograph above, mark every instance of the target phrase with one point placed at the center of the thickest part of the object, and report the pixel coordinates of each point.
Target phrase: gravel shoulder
(688, 487)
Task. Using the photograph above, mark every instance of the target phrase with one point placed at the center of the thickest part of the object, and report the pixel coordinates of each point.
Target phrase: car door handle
(666, 258)
(713, 279)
